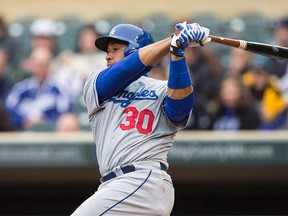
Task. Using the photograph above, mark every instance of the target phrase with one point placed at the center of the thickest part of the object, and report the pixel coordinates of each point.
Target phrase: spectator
(8, 43)
(206, 72)
(68, 122)
(42, 33)
(240, 62)
(279, 67)
(75, 66)
(234, 107)
(38, 99)
(5, 82)
(6, 124)
(5, 86)
(280, 37)
(269, 97)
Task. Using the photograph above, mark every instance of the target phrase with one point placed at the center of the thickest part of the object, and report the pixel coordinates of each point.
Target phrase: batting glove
(192, 33)
(175, 47)
(200, 35)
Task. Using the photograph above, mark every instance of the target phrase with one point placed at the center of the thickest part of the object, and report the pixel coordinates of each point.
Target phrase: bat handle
(228, 41)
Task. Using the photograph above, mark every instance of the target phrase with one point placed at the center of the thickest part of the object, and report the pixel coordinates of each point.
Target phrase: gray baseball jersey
(131, 126)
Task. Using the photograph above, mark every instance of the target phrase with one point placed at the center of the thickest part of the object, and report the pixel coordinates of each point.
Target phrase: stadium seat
(159, 25)
(45, 127)
(249, 25)
(19, 30)
(209, 20)
(67, 30)
(106, 23)
(82, 113)
(215, 24)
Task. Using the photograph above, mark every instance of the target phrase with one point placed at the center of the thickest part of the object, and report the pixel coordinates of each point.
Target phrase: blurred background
(231, 160)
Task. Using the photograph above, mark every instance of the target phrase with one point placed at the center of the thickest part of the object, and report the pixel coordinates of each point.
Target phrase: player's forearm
(179, 80)
(152, 54)
(180, 98)
(180, 93)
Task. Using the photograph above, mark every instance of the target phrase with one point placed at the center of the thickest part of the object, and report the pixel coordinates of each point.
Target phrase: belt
(126, 169)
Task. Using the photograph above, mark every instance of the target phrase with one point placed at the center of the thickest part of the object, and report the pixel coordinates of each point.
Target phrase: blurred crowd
(41, 86)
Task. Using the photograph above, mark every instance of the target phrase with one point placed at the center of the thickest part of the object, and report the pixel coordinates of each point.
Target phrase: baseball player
(134, 119)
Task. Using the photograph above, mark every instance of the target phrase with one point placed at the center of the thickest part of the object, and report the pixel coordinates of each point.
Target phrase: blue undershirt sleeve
(178, 110)
(117, 77)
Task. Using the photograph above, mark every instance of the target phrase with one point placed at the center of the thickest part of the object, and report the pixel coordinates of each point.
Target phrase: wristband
(179, 76)
(177, 51)
(174, 49)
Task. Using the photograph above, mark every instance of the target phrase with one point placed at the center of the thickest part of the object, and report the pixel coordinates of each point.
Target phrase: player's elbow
(178, 110)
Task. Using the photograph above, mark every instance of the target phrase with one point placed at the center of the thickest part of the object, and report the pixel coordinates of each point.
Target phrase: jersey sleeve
(91, 96)
(100, 86)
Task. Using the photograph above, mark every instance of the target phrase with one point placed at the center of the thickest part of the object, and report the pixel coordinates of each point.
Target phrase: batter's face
(115, 52)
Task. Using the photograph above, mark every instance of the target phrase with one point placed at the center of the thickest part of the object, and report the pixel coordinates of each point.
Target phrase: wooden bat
(259, 48)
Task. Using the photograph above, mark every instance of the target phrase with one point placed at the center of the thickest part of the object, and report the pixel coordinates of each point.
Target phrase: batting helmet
(131, 34)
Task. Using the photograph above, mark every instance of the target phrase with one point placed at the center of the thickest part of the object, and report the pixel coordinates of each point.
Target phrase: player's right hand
(192, 34)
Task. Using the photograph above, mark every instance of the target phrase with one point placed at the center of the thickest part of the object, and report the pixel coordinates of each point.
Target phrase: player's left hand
(193, 34)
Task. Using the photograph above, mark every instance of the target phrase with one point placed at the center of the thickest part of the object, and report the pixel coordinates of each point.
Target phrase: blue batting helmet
(131, 34)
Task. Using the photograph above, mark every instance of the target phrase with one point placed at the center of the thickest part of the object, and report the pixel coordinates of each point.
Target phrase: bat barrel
(258, 48)
(268, 50)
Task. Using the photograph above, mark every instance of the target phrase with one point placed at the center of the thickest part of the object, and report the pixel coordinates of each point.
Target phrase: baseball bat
(268, 50)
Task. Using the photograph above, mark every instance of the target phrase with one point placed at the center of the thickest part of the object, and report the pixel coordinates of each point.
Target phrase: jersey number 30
(142, 120)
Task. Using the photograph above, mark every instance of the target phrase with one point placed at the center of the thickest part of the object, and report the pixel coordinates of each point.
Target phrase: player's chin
(109, 64)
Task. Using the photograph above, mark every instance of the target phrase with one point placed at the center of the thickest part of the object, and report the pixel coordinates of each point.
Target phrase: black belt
(126, 169)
